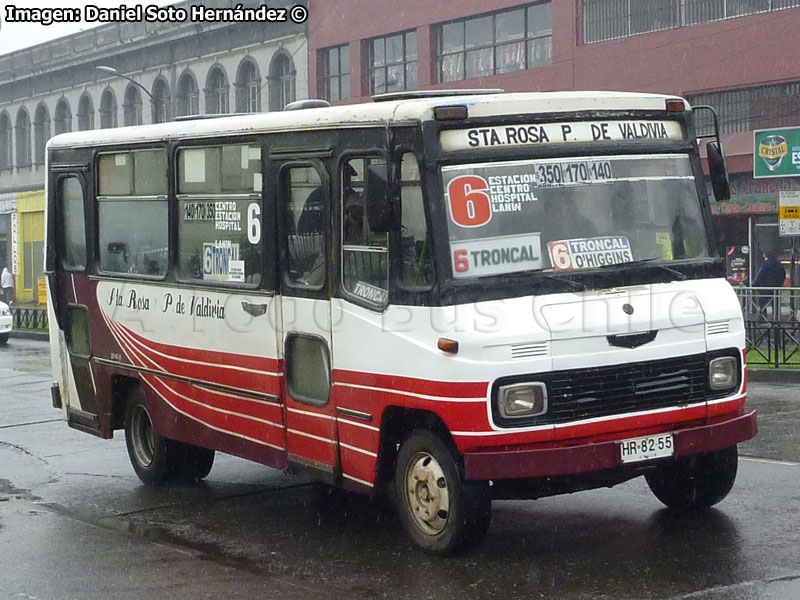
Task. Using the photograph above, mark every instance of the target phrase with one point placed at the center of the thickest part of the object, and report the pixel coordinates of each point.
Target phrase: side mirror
(382, 212)
(718, 172)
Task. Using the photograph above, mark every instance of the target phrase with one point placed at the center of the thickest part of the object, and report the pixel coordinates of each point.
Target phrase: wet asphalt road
(76, 523)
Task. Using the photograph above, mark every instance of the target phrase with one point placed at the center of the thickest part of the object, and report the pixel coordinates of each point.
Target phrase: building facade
(726, 53)
(150, 72)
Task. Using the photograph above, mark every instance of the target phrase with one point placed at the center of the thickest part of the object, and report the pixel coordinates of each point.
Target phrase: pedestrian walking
(770, 275)
(7, 283)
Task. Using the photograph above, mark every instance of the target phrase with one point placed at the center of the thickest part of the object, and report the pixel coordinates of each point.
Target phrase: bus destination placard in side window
(558, 133)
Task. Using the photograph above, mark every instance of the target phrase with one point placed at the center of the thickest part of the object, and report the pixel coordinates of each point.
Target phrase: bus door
(72, 297)
(303, 195)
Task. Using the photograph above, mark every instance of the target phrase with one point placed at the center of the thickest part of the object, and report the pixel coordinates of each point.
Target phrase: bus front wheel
(154, 458)
(697, 481)
(441, 513)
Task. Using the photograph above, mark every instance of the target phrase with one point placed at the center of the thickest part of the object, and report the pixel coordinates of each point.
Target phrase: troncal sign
(776, 152)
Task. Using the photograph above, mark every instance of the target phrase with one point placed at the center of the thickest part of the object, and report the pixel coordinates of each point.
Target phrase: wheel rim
(143, 436)
(427, 493)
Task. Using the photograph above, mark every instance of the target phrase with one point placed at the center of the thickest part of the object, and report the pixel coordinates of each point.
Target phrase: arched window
(160, 101)
(188, 98)
(23, 128)
(217, 92)
(108, 109)
(63, 118)
(85, 113)
(5, 141)
(132, 106)
(281, 82)
(248, 87)
(41, 133)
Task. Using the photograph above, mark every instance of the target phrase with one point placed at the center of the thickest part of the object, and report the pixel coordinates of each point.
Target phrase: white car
(5, 322)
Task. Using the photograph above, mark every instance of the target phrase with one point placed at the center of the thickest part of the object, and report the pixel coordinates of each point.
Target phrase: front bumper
(568, 460)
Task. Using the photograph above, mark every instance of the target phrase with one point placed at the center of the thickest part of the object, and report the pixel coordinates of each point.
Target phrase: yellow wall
(30, 244)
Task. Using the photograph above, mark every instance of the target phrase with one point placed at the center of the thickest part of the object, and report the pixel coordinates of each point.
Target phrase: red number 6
(469, 204)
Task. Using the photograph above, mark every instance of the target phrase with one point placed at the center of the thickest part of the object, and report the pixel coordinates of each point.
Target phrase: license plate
(647, 448)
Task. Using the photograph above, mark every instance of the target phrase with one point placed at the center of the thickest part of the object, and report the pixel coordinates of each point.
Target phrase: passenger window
(73, 225)
(133, 213)
(305, 199)
(220, 218)
(415, 239)
(365, 255)
(231, 169)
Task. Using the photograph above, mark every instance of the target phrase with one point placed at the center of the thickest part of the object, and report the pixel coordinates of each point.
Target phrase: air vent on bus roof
(304, 104)
(412, 95)
(208, 116)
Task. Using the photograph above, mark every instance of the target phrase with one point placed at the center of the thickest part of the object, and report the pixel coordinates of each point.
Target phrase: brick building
(732, 54)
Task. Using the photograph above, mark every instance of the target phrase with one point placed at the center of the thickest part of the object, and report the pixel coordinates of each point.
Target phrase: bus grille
(634, 387)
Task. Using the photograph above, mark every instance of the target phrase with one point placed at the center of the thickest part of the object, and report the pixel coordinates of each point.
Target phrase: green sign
(776, 152)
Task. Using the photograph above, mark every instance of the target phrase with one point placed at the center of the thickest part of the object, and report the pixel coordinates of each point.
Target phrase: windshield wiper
(648, 262)
(570, 283)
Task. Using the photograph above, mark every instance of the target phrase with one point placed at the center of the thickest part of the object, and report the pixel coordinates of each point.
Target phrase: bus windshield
(572, 214)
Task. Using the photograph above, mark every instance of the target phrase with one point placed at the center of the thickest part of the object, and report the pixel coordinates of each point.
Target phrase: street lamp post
(113, 71)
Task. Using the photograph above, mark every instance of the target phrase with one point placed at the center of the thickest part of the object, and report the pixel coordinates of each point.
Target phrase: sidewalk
(773, 375)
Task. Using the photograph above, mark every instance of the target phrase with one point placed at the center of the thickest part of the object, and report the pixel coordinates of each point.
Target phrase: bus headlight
(723, 373)
(522, 400)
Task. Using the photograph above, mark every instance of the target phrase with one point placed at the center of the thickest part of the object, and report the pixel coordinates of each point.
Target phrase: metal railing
(772, 325)
(34, 319)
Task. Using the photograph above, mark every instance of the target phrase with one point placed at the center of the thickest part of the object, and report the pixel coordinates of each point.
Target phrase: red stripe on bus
(358, 465)
(321, 451)
(222, 359)
(222, 400)
(226, 423)
(425, 387)
(467, 416)
(321, 427)
(727, 407)
(213, 373)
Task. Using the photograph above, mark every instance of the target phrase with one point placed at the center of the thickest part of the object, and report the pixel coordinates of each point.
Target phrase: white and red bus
(449, 298)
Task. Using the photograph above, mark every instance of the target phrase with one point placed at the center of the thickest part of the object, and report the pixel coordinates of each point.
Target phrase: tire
(193, 462)
(3, 339)
(440, 512)
(695, 482)
(154, 458)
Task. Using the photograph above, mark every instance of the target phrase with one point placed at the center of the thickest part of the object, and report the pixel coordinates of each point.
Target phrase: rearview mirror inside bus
(718, 172)
(382, 213)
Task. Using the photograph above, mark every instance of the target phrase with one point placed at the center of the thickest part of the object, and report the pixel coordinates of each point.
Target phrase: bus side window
(73, 225)
(415, 244)
(132, 211)
(220, 220)
(305, 227)
(365, 264)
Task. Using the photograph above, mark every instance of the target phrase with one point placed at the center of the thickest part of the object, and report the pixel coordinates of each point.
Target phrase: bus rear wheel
(154, 458)
(695, 482)
(440, 512)
(193, 462)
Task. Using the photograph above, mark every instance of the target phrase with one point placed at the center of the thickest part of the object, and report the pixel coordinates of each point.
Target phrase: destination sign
(559, 133)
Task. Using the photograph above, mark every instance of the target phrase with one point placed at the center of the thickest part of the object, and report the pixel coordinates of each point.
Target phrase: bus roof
(360, 115)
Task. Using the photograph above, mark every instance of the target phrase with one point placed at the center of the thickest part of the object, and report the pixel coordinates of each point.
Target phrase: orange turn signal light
(446, 345)
(450, 113)
(676, 105)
